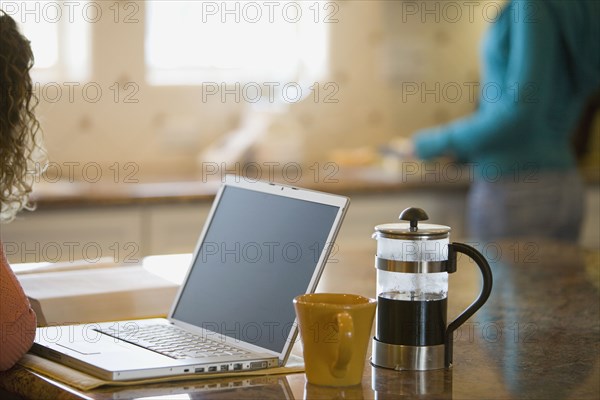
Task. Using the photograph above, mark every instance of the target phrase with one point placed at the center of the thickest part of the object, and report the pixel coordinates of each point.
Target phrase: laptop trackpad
(90, 348)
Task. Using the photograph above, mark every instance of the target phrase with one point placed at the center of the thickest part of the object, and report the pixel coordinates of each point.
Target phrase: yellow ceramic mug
(335, 330)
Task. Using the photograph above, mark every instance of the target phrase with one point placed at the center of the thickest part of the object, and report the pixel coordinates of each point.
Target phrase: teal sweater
(540, 63)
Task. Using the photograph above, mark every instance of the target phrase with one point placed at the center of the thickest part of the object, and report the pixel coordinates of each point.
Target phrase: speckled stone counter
(537, 337)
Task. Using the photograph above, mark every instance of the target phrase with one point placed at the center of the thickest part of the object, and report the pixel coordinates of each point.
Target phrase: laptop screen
(259, 252)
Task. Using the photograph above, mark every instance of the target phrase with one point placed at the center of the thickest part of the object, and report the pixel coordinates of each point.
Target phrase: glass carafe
(413, 262)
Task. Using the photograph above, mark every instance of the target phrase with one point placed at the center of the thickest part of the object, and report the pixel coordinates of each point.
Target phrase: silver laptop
(262, 245)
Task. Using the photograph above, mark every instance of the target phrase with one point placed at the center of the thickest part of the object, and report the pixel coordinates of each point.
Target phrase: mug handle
(345, 335)
(486, 274)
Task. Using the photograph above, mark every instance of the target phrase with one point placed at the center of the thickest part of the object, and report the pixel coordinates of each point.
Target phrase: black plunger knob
(414, 215)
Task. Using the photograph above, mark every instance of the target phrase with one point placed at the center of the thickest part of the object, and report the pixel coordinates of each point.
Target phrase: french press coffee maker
(413, 262)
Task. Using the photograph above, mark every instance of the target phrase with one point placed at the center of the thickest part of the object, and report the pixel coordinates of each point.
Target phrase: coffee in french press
(413, 262)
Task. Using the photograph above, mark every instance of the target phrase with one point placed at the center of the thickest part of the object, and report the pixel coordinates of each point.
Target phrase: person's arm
(526, 90)
(17, 319)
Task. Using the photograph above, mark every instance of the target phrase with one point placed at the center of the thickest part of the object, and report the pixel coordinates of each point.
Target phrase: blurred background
(158, 82)
(164, 91)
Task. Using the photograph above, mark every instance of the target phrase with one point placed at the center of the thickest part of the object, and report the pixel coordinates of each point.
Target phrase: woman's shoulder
(17, 319)
(13, 299)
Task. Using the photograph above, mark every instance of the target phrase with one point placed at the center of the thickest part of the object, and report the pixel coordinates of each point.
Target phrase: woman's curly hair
(20, 141)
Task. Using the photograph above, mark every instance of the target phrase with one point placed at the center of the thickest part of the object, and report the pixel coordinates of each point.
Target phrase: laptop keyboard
(174, 342)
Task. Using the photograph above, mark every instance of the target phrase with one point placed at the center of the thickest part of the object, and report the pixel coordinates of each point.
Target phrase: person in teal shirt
(540, 64)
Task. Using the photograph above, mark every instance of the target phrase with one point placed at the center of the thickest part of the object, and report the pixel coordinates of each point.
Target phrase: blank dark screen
(259, 252)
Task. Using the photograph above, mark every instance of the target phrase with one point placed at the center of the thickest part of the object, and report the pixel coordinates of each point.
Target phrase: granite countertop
(537, 337)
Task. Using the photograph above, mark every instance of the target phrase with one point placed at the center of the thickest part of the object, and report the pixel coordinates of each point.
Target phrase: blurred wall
(394, 67)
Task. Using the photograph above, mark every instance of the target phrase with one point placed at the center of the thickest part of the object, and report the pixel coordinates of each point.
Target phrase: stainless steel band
(415, 267)
(401, 357)
(412, 235)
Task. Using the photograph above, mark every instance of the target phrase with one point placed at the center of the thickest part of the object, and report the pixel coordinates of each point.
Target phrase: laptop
(262, 244)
